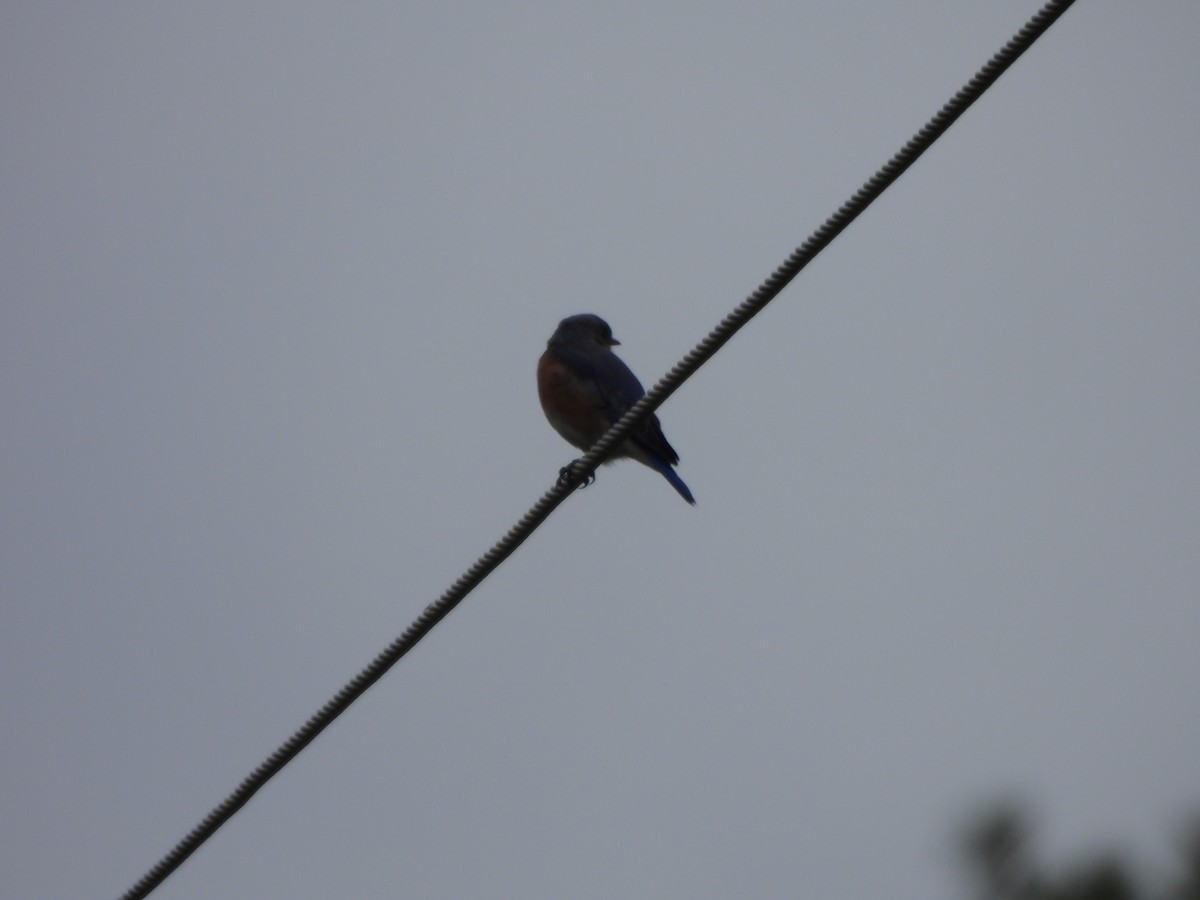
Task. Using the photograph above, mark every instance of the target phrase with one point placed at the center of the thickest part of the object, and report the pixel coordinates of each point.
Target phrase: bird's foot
(572, 472)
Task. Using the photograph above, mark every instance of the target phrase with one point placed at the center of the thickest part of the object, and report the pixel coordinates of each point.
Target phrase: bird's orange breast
(569, 402)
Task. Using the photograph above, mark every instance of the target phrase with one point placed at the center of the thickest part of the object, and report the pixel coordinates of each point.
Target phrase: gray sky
(274, 281)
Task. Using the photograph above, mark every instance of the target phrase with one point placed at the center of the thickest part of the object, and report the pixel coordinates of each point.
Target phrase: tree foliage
(1001, 859)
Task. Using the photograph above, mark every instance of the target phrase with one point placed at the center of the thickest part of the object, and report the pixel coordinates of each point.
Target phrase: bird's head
(587, 328)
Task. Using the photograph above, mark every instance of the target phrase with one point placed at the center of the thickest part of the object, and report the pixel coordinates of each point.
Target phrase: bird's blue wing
(615, 386)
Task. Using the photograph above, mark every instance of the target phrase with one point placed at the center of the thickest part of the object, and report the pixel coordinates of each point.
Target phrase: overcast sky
(275, 278)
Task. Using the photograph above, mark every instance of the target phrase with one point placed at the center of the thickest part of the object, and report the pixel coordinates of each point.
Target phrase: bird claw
(568, 473)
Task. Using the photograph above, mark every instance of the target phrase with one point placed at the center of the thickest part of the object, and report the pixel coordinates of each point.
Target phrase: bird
(584, 388)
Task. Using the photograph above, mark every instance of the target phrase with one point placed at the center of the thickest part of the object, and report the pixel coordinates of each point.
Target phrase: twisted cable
(602, 449)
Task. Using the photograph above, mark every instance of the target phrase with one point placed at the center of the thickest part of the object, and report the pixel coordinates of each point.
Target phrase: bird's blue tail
(677, 483)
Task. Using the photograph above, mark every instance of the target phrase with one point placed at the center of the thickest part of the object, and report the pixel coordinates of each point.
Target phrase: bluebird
(585, 388)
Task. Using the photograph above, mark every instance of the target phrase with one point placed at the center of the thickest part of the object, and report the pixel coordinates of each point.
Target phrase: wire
(822, 237)
(580, 470)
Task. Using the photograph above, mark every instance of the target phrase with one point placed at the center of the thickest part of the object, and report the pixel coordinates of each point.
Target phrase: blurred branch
(998, 849)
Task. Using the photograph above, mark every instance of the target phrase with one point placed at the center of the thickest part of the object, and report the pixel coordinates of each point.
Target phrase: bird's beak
(613, 342)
